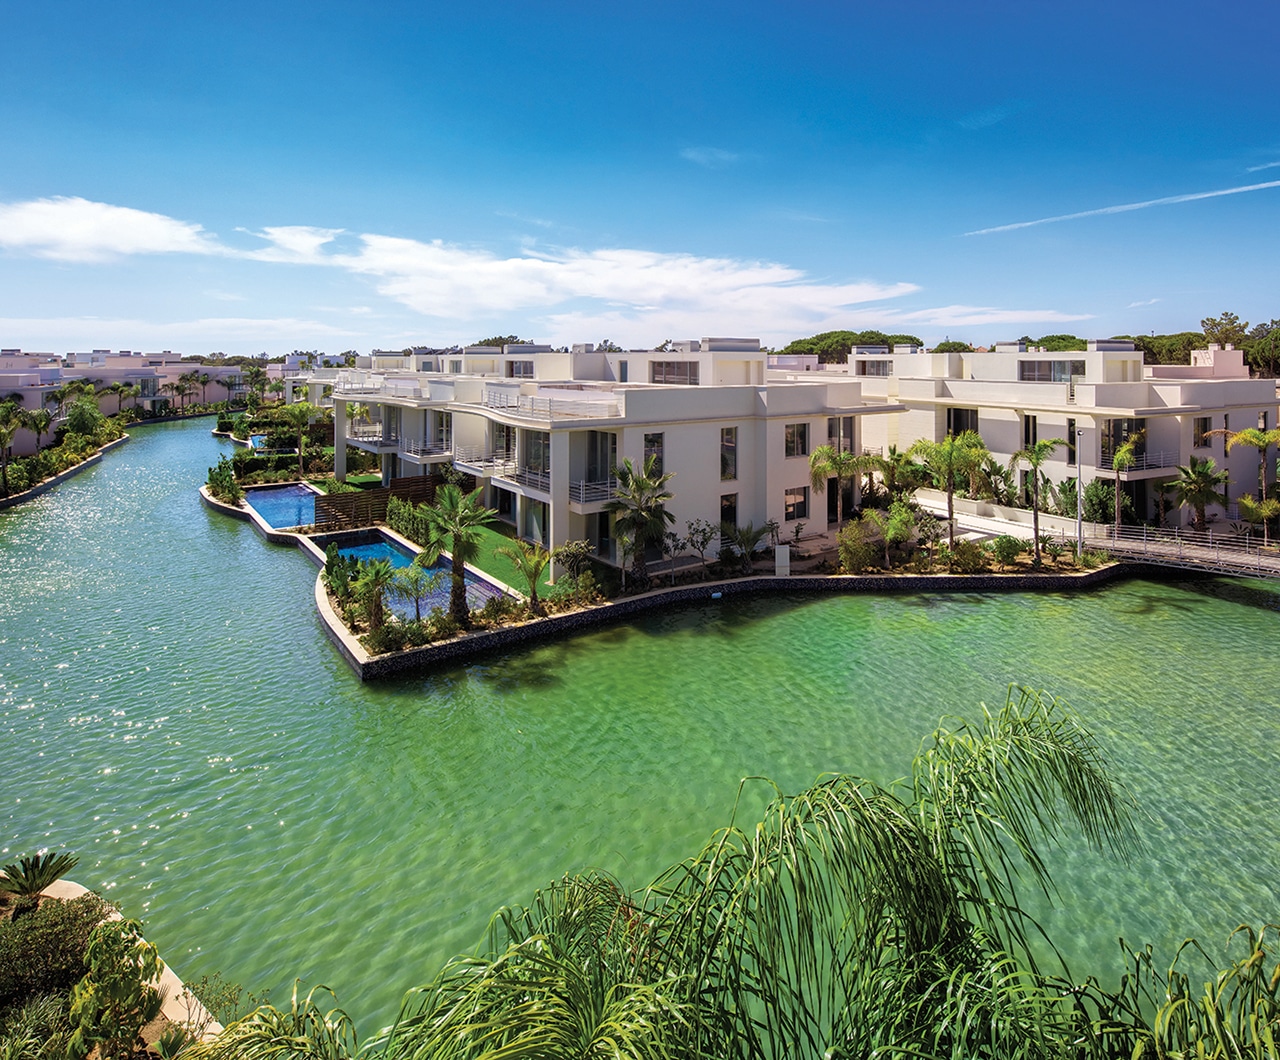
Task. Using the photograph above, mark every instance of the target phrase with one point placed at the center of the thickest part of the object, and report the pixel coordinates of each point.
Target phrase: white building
(542, 429)
(1094, 399)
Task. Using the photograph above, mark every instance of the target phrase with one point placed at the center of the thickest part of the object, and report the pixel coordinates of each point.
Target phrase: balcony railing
(1142, 462)
(524, 476)
(545, 407)
(591, 492)
(417, 447)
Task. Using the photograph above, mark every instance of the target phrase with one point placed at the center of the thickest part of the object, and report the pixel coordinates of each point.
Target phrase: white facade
(543, 429)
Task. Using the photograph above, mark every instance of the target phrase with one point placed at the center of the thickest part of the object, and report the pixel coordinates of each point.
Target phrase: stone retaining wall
(470, 645)
(49, 483)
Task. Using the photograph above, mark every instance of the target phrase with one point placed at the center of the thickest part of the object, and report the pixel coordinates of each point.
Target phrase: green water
(170, 710)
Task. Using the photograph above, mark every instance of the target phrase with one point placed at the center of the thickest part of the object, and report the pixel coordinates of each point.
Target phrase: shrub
(1007, 548)
(968, 557)
(443, 625)
(115, 999)
(498, 609)
(856, 549)
(388, 637)
(43, 952)
(222, 482)
(32, 875)
(39, 1030)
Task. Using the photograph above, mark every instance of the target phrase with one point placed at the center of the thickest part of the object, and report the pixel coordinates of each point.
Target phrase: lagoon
(170, 710)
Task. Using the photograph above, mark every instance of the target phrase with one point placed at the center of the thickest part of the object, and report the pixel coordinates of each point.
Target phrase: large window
(728, 454)
(455, 367)
(684, 373)
(1116, 432)
(519, 369)
(881, 368)
(1029, 432)
(797, 506)
(961, 420)
(622, 371)
(1071, 443)
(537, 451)
(797, 439)
(1050, 371)
(729, 509)
(1200, 428)
(444, 430)
(653, 451)
(840, 433)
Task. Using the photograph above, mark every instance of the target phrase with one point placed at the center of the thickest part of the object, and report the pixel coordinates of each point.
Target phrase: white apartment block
(543, 429)
(1094, 399)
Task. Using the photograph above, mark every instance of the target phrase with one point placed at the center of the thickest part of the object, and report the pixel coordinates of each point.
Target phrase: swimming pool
(283, 506)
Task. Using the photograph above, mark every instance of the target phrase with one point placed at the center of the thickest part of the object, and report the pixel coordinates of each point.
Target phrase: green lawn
(501, 567)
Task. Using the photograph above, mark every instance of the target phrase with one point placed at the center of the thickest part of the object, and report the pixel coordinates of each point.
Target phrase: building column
(340, 439)
(558, 508)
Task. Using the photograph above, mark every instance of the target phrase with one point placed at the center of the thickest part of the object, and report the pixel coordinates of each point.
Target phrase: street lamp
(1079, 495)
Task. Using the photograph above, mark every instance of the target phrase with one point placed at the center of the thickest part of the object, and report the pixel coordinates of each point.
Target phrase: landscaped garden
(84, 430)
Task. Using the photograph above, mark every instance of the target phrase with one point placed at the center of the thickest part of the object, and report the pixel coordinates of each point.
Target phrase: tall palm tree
(1122, 459)
(899, 472)
(12, 419)
(640, 505)
(530, 560)
(1260, 440)
(744, 540)
(298, 416)
(38, 421)
(415, 582)
(1197, 486)
(454, 523)
(827, 462)
(1262, 511)
(371, 585)
(1034, 456)
(204, 379)
(950, 462)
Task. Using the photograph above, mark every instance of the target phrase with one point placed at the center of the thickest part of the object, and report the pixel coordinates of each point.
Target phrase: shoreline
(13, 500)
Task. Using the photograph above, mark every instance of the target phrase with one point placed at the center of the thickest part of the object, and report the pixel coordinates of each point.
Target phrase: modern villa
(542, 429)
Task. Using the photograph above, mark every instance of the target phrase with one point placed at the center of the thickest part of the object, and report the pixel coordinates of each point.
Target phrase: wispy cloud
(1265, 165)
(541, 222)
(570, 291)
(66, 228)
(1168, 200)
(1139, 305)
(136, 333)
(709, 157)
(984, 119)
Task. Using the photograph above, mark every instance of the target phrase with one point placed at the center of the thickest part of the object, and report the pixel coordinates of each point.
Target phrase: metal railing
(1225, 551)
(591, 492)
(524, 476)
(373, 432)
(1142, 462)
(544, 407)
(417, 447)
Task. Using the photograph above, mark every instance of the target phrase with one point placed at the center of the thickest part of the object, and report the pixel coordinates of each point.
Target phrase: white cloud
(1139, 305)
(709, 157)
(1265, 165)
(1168, 200)
(67, 333)
(984, 119)
(74, 229)
(292, 243)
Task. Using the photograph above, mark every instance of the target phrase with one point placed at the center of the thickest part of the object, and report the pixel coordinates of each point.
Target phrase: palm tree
(894, 526)
(415, 582)
(1122, 459)
(1262, 511)
(372, 582)
(299, 416)
(1197, 487)
(38, 421)
(899, 472)
(827, 462)
(530, 560)
(204, 379)
(1260, 440)
(454, 523)
(744, 540)
(12, 419)
(1034, 456)
(640, 503)
(950, 462)
(276, 386)
(853, 920)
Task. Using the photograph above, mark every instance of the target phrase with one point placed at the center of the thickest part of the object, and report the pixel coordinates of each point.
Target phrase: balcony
(1143, 462)
(426, 451)
(371, 436)
(549, 407)
(593, 492)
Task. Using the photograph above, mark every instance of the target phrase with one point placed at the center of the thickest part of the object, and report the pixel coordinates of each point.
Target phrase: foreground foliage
(854, 920)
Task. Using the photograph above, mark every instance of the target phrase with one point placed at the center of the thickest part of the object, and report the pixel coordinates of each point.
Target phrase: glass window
(444, 429)
(729, 509)
(1200, 428)
(880, 368)
(797, 439)
(1028, 431)
(1071, 443)
(537, 451)
(840, 433)
(683, 373)
(1262, 421)
(519, 369)
(797, 506)
(653, 450)
(961, 420)
(455, 367)
(728, 454)
(622, 371)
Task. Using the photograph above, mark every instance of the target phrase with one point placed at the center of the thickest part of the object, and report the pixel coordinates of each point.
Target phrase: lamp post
(1079, 494)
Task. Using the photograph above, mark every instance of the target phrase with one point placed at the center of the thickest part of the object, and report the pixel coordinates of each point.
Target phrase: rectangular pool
(283, 506)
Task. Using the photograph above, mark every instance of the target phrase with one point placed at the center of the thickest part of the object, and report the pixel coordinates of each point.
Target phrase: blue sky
(252, 177)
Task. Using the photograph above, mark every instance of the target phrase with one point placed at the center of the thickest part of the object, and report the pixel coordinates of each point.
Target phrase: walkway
(1218, 553)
